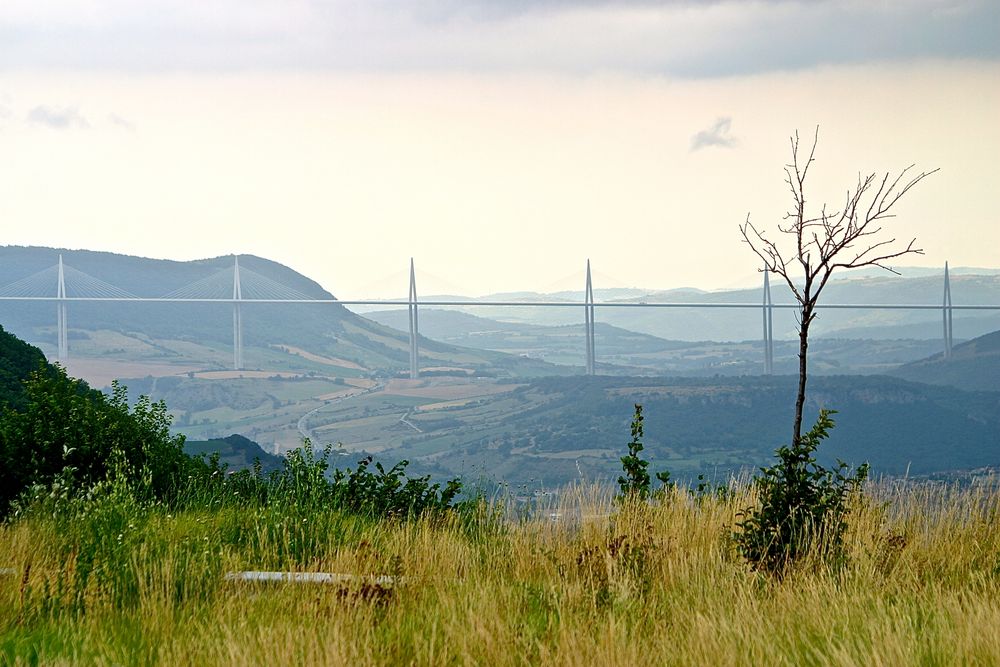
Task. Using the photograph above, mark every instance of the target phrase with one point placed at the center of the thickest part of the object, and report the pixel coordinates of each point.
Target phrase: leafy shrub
(306, 481)
(802, 504)
(635, 483)
(66, 428)
(390, 492)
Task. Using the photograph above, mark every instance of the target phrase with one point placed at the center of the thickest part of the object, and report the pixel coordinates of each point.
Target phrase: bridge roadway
(528, 304)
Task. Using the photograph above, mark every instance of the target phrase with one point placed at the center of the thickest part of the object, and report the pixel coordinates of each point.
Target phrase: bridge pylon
(414, 329)
(946, 314)
(588, 320)
(62, 324)
(237, 316)
(767, 311)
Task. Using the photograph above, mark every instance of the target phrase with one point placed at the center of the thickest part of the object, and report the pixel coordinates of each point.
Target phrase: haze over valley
(490, 403)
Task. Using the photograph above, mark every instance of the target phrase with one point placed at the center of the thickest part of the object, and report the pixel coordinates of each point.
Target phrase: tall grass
(116, 580)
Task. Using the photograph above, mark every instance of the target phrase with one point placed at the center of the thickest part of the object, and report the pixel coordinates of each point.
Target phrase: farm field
(101, 372)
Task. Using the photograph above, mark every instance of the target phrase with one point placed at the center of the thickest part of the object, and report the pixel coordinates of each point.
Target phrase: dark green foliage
(635, 482)
(17, 361)
(66, 428)
(803, 505)
(390, 492)
(53, 426)
(305, 481)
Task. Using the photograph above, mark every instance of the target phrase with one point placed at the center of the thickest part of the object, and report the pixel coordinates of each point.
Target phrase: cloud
(683, 38)
(717, 135)
(121, 123)
(58, 119)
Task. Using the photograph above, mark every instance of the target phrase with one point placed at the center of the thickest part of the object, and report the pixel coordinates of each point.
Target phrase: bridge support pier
(588, 309)
(237, 316)
(414, 329)
(767, 311)
(62, 324)
(946, 314)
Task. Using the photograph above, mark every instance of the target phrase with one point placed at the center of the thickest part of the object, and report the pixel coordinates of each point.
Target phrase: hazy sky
(499, 143)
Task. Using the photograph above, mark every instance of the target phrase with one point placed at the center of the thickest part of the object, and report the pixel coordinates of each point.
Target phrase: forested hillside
(556, 429)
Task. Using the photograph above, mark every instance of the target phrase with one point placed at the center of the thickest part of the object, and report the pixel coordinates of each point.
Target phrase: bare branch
(846, 238)
(769, 253)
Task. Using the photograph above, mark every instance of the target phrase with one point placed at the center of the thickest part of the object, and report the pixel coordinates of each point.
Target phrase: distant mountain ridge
(144, 276)
(337, 340)
(916, 286)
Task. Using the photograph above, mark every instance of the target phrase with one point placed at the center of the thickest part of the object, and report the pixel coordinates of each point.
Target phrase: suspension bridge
(238, 286)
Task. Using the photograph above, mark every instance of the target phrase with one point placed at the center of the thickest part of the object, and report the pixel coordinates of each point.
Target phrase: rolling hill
(968, 286)
(624, 352)
(974, 366)
(319, 338)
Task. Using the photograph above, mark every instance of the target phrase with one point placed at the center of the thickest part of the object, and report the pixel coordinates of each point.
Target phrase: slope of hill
(236, 452)
(304, 337)
(17, 361)
(974, 365)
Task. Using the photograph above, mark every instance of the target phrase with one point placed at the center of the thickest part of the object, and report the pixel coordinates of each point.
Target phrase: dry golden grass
(605, 585)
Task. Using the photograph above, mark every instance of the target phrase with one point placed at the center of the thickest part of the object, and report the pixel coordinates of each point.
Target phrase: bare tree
(847, 238)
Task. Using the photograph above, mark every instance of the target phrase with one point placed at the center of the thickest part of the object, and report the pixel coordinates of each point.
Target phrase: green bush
(802, 504)
(635, 483)
(65, 428)
(307, 481)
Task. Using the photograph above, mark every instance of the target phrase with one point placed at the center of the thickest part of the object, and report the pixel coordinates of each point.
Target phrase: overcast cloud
(674, 38)
(58, 118)
(718, 135)
(121, 123)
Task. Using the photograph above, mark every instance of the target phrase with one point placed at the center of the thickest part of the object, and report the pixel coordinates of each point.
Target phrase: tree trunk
(800, 397)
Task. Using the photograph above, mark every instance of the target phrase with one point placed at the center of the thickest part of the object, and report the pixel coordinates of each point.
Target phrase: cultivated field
(446, 388)
(321, 359)
(100, 372)
(127, 583)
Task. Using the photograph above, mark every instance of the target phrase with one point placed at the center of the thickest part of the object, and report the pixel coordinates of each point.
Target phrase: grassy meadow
(107, 579)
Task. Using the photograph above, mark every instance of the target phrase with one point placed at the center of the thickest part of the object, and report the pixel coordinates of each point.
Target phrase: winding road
(304, 430)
